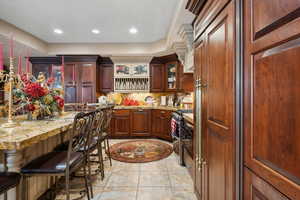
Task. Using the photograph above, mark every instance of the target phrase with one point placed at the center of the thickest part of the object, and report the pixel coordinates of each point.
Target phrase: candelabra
(11, 79)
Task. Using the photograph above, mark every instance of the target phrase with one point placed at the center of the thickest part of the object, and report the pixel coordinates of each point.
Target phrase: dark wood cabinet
(157, 78)
(140, 122)
(161, 124)
(215, 144)
(272, 99)
(121, 123)
(106, 78)
(80, 78)
(166, 75)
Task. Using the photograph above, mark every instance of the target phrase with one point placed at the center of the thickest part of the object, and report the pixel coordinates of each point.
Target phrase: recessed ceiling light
(58, 31)
(95, 31)
(133, 30)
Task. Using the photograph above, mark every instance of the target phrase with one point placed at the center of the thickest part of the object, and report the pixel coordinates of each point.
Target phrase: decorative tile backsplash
(146, 98)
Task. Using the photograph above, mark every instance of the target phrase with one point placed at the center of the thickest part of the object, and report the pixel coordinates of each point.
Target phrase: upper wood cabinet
(80, 79)
(105, 77)
(166, 74)
(272, 98)
(157, 78)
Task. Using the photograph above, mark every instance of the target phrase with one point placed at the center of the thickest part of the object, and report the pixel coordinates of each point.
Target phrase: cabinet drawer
(121, 112)
(162, 113)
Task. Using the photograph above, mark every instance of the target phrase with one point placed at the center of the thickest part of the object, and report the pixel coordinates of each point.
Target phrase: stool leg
(108, 152)
(90, 172)
(100, 157)
(67, 179)
(86, 182)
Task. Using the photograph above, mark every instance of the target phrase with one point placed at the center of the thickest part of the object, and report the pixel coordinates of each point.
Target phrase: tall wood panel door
(218, 99)
(87, 80)
(71, 86)
(272, 96)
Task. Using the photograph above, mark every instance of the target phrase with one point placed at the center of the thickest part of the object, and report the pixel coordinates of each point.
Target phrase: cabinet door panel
(257, 189)
(71, 86)
(87, 82)
(106, 78)
(157, 74)
(272, 88)
(140, 123)
(279, 13)
(121, 126)
(218, 99)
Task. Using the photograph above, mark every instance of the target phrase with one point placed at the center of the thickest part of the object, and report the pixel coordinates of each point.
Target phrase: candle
(1, 57)
(62, 68)
(20, 65)
(27, 64)
(11, 46)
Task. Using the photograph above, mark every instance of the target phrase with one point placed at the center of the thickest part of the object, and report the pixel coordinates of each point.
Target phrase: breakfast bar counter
(27, 133)
(30, 139)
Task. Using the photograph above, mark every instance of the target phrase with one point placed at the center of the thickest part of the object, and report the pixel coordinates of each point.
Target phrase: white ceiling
(77, 18)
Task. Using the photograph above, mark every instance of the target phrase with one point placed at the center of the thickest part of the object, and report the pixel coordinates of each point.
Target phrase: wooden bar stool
(63, 163)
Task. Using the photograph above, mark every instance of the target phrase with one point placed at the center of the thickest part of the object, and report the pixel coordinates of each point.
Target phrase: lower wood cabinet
(141, 123)
(120, 124)
(161, 124)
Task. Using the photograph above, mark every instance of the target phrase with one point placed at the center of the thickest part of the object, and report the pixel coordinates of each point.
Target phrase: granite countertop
(189, 117)
(31, 132)
(148, 107)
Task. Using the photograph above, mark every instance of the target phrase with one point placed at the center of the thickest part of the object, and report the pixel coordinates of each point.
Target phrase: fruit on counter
(130, 102)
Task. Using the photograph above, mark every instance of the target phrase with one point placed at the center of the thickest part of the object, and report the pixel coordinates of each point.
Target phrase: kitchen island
(27, 141)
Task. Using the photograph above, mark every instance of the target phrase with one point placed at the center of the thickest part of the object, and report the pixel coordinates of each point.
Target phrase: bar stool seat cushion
(8, 180)
(54, 162)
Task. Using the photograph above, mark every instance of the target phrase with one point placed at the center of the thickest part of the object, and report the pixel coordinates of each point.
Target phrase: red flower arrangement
(36, 97)
(35, 90)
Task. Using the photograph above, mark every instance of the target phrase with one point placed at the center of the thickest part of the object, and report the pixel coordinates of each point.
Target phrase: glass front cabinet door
(172, 77)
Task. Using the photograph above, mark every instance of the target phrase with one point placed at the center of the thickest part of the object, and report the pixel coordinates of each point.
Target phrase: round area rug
(140, 151)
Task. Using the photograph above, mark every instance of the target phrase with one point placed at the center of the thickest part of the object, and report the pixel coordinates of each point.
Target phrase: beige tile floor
(159, 180)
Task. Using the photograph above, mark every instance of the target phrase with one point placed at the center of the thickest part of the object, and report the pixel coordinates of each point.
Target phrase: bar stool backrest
(107, 118)
(80, 134)
(98, 122)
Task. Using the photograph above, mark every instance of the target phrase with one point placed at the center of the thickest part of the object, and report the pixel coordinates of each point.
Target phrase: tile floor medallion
(158, 180)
